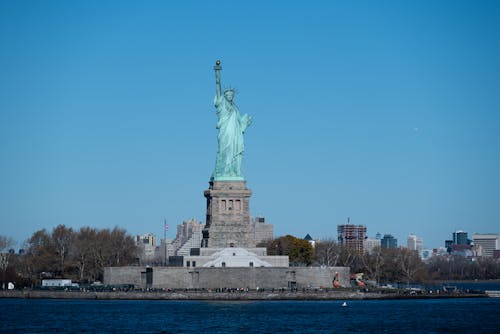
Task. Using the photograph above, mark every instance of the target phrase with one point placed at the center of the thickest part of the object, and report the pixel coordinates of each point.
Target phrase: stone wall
(213, 278)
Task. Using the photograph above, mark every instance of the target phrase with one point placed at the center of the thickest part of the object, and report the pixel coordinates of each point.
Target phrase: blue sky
(386, 112)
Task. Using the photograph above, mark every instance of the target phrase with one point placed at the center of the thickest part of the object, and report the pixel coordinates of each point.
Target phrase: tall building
(165, 250)
(146, 239)
(189, 235)
(147, 247)
(415, 243)
(352, 236)
(486, 243)
(459, 244)
(460, 238)
(370, 244)
(388, 241)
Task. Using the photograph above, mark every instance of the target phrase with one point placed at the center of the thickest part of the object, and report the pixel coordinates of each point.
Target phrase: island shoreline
(228, 296)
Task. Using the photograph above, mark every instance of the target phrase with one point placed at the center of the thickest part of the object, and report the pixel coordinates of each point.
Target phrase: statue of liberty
(231, 126)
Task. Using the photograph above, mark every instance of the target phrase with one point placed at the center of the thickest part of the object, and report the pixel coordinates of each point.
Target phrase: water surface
(476, 315)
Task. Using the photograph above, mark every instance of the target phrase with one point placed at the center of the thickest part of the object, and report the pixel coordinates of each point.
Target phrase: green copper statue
(231, 126)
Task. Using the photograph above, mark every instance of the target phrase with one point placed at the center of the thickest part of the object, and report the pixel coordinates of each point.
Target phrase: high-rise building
(370, 244)
(147, 247)
(459, 244)
(146, 239)
(388, 241)
(165, 250)
(352, 236)
(189, 235)
(486, 243)
(415, 243)
(460, 238)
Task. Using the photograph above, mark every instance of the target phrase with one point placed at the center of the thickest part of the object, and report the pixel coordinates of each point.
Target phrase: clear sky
(386, 112)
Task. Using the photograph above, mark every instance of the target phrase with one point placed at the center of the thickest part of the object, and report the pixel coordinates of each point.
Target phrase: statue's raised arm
(217, 69)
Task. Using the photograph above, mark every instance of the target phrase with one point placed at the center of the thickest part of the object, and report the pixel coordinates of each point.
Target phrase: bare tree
(79, 255)
(350, 257)
(96, 249)
(123, 248)
(83, 251)
(5, 253)
(40, 255)
(327, 252)
(410, 264)
(62, 238)
(373, 263)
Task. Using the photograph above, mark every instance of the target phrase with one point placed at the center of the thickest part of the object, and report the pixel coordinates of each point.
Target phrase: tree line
(81, 255)
(400, 265)
(65, 253)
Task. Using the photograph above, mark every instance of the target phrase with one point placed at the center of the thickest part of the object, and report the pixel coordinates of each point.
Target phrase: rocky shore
(228, 295)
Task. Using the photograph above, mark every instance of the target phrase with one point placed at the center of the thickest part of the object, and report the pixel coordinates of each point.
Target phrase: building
(165, 250)
(459, 244)
(146, 239)
(189, 235)
(310, 240)
(462, 250)
(460, 238)
(262, 231)
(415, 243)
(58, 283)
(426, 254)
(370, 244)
(147, 247)
(389, 242)
(352, 236)
(486, 243)
(227, 277)
(234, 257)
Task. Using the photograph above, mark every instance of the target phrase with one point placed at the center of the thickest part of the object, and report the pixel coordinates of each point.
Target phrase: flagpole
(165, 240)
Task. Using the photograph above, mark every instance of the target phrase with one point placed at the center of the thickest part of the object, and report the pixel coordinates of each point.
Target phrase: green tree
(299, 251)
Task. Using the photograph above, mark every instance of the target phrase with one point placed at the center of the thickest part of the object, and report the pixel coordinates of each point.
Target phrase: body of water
(475, 315)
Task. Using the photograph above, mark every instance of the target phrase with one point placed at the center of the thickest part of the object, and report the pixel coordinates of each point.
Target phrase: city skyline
(386, 113)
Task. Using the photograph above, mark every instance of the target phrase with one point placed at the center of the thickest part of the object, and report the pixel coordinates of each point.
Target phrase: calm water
(481, 315)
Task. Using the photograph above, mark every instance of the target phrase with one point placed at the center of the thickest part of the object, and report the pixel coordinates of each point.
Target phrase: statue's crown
(231, 89)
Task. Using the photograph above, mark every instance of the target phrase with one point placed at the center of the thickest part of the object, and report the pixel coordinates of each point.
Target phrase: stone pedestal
(228, 222)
